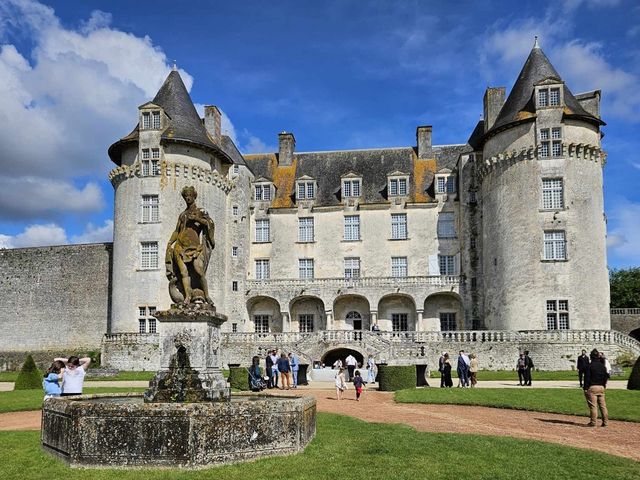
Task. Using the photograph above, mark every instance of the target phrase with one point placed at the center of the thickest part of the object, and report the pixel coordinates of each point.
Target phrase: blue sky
(339, 74)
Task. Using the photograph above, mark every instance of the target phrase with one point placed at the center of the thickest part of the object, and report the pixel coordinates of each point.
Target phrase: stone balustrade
(625, 311)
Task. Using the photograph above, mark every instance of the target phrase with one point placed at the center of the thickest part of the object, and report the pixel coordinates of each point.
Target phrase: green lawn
(622, 404)
(346, 448)
(541, 375)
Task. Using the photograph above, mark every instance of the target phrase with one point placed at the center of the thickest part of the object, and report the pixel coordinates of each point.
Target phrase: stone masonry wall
(625, 322)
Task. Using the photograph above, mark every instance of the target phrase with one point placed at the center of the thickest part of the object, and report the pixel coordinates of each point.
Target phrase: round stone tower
(543, 224)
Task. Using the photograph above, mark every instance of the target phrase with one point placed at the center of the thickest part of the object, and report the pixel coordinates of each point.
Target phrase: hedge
(392, 378)
(29, 378)
(239, 378)
(634, 378)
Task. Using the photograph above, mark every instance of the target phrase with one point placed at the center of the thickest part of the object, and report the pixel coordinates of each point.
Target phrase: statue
(188, 253)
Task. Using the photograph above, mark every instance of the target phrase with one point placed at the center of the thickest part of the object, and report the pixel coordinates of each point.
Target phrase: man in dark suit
(528, 366)
(582, 365)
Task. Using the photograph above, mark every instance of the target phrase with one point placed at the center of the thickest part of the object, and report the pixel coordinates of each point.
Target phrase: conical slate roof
(521, 105)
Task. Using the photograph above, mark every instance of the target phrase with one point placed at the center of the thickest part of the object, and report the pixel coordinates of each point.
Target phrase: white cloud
(623, 240)
(570, 5)
(36, 236)
(94, 234)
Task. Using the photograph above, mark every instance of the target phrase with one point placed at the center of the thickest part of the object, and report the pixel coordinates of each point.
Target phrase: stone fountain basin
(120, 430)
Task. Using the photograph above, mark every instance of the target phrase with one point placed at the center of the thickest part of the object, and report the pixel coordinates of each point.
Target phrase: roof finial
(535, 42)
(175, 66)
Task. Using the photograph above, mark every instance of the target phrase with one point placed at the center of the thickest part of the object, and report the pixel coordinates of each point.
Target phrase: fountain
(187, 418)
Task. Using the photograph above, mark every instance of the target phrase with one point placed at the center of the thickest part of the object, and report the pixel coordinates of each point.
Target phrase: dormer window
(445, 184)
(151, 120)
(549, 97)
(398, 186)
(306, 189)
(262, 192)
(351, 188)
(156, 120)
(146, 120)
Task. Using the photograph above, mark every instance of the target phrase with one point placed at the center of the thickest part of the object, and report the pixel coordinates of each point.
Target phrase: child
(341, 385)
(51, 381)
(357, 383)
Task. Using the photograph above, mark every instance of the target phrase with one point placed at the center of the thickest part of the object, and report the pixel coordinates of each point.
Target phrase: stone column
(419, 326)
(286, 321)
(329, 315)
(374, 318)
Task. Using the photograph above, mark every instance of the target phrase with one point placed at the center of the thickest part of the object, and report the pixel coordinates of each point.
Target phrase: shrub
(634, 378)
(239, 378)
(29, 377)
(625, 360)
(395, 378)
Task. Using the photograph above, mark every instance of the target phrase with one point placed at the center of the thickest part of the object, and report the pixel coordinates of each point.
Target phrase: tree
(625, 287)
(29, 377)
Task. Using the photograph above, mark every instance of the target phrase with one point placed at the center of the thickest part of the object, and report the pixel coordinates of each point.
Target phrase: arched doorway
(355, 319)
(330, 357)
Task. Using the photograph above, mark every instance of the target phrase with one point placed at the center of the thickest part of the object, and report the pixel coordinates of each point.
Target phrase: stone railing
(625, 311)
(440, 280)
(131, 338)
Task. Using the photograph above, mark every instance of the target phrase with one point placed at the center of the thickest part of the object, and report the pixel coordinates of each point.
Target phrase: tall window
(150, 162)
(556, 148)
(262, 269)
(305, 229)
(543, 97)
(399, 322)
(234, 210)
(305, 268)
(447, 321)
(397, 186)
(554, 97)
(351, 267)
(351, 188)
(305, 322)
(156, 120)
(352, 227)
(543, 148)
(150, 208)
(399, 267)
(234, 286)
(555, 246)
(146, 121)
(446, 225)
(261, 323)
(306, 189)
(552, 193)
(557, 314)
(262, 192)
(399, 226)
(445, 184)
(234, 328)
(472, 243)
(153, 324)
(234, 252)
(262, 230)
(447, 264)
(148, 255)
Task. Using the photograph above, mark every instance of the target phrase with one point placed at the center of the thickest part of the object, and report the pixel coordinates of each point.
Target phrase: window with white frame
(261, 323)
(352, 267)
(352, 227)
(447, 321)
(156, 120)
(306, 190)
(397, 187)
(305, 268)
(399, 226)
(146, 120)
(557, 315)
(446, 225)
(262, 192)
(148, 255)
(155, 153)
(399, 322)
(262, 230)
(554, 97)
(552, 193)
(305, 229)
(262, 269)
(445, 184)
(543, 148)
(153, 324)
(305, 322)
(146, 153)
(549, 97)
(234, 210)
(555, 245)
(447, 264)
(150, 208)
(556, 148)
(351, 188)
(556, 133)
(543, 97)
(399, 267)
(234, 251)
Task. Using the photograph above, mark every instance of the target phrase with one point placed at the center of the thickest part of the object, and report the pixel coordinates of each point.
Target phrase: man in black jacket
(582, 364)
(595, 382)
(528, 365)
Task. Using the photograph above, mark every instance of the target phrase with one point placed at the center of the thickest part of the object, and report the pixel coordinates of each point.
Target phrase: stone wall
(131, 351)
(54, 300)
(626, 320)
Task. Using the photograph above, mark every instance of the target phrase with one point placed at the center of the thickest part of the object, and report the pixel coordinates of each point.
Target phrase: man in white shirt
(352, 363)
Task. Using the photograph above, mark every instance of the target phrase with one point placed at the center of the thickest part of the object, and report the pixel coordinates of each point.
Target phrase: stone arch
(346, 309)
(308, 309)
(440, 308)
(261, 309)
(330, 356)
(396, 306)
(635, 334)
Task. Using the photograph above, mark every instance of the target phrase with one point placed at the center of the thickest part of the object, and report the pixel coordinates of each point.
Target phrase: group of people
(524, 365)
(65, 377)
(354, 375)
(467, 369)
(282, 370)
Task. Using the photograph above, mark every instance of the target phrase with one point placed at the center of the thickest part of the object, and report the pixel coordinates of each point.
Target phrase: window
(153, 325)
(355, 319)
(351, 267)
(234, 286)
(445, 184)
(554, 246)
(399, 267)
(234, 328)
(397, 186)
(150, 208)
(305, 229)
(236, 169)
(148, 255)
(306, 190)
(447, 321)
(557, 314)
(305, 322)
(474, 283)
(447, 264)
(261, 323)
(352, 227)
(552, 193)
(446, 225)
(473, 197)
(554, 97)
(399, 226)
(305, 268)
(262, 269)
(544, 134)
(263, 192)
(472, 243)
(556, 133)
(543, 98)
(146, 121)
(544, 150)
(155, 153)
(556, 148)
(155, 167)
(150, 162)
(142, 325)
(262, 230)
(549, 97)
(146, 317)
(399, 322)
(145, 153)
(234, 210)
(234, 252)
(351, 188)
(156, 120)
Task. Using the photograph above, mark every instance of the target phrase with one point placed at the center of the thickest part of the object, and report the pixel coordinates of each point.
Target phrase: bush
(625, 360)
(29, 377)
(239, 378)
(395, 378)
(634, 378)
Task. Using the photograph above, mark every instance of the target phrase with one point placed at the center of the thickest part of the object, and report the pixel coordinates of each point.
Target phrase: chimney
(493, 101)
(213, 123)
(423, 136)
(286, 147)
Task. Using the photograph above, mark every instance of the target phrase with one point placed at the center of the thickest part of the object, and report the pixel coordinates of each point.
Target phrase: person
(375, 327)
(446, 371)
(441, 369)
(73, 375)
(473, 369)
(52, 379)
(284, 368)
(352, 363)
(371, 365)
(595, 384)
(606, 363)
(463, 370)
(274, 368)
(528, 368)
(521, 366)
(256, 383)
(268, 364)
(357, 384)
(341, 384)
(337, 364)
(295, 367)
(582, 364)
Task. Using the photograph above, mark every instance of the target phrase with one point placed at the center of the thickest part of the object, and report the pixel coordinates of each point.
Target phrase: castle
(499, 240)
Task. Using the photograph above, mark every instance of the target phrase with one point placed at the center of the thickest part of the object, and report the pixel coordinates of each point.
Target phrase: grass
(622, 404)
(21, 400)
(347, 448)
(537, 375)
(121, 376)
